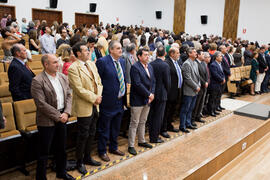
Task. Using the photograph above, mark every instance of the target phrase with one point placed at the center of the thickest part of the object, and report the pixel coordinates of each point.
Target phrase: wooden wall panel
(48, 15)
(230, 22)
(7, 10)
(88, 19)
(179, 16)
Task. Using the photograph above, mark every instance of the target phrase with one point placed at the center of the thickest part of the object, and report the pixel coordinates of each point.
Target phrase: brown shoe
(117, 152)
(104, 157)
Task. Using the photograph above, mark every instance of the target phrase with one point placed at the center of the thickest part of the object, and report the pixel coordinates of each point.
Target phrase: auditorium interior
(229, 142)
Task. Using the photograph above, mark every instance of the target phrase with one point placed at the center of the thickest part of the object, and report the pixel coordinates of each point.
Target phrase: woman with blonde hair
(33, 42)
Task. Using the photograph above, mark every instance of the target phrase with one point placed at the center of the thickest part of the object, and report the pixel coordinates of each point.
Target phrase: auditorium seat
(37, 71)
(245, 75)
(5, 95)
(35, 65)
(25, 112)
(10, 129)
(4, 78)
(2, 67)
(36, 57)
(6, 66)
(231, 83)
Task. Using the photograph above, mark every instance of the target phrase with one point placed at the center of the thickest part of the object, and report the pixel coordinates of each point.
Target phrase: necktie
(92, 76)
(226, 60)
(29, 69)
(178, 70)
(120, 77)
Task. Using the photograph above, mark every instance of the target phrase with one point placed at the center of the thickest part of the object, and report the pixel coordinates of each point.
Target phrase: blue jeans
(187, 107)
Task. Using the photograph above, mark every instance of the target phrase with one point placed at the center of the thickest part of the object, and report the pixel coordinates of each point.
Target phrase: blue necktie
(178, 73)
(120, 77)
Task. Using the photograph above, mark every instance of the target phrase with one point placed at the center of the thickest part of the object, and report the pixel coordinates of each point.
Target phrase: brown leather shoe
(117, 152)
(104, 157)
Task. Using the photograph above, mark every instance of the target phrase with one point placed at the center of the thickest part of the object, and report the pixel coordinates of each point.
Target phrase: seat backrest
(6, 66)
(25, 112)
(5, 95)
(237, 74)
(8, 113)
(243, 72)
(2, 69)
(248, 69)
(37, 71)
(35, 65)
(4, 78)
(232, 77)
(36, 57)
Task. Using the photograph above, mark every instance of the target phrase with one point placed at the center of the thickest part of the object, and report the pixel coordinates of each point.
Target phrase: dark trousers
(199, 104)
(108, 129)
(168, 116)
(214, 100)
(187, 107)
(264, 85)
(156, 115)
(86, 135)
(46, 135)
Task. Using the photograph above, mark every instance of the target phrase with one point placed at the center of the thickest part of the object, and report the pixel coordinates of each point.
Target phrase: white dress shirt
(58, 90)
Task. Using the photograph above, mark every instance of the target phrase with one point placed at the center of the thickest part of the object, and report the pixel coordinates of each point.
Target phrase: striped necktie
(120, 77)
(178, 70)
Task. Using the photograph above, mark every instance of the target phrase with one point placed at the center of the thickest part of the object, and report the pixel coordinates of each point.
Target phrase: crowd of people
(116, 78)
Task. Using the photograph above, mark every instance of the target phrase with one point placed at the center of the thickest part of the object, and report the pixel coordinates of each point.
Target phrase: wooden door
(89, 19)
(7, 10)
(48, 15)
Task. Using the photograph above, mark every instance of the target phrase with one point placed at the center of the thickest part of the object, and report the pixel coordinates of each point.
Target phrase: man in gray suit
(202, 66)
(52, 97)
(191, 88)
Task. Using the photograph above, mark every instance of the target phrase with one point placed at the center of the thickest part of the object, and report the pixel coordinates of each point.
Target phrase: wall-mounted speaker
(53, 3)
(158, 14)
(204, 19)
(93, 7)
(3, 1)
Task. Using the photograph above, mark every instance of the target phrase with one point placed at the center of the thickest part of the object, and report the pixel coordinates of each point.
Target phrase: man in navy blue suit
(141, 95)
(216, 82)
(111, 69)
(163, 84)
(19, 75)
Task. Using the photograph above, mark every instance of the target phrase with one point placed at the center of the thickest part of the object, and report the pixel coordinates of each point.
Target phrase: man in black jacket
(263, 67)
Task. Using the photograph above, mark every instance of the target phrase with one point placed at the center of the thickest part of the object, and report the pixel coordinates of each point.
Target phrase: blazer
(45, 99)
(262, 63)
(217, 76)
(111, 84)
(82, 85)
(226, 67)
(20, 79)
(141, 84)
(174, 90)
(163, 79)
(128, 64)
(203, 73)
(191, 78)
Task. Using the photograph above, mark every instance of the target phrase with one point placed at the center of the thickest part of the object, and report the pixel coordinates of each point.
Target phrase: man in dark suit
(111, 69)
(163, 83)
(19, 74)
(141, 95)
(263, 67)
(191, 87)
(174, 94)
(53, 100)
(216, 82)
(202, 66)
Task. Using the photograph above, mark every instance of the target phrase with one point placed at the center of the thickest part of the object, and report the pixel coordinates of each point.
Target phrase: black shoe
(222, 108)
(92, 162)
(193, 124)
(173, 130)
(184, 130)
(65, 176)
(213, 114)
(145, 144)
(157, 141)
(165, 135)
(216, 113)
(199, 120)
(132, 151)
(81, 168)
(191, 127)
(218, 109)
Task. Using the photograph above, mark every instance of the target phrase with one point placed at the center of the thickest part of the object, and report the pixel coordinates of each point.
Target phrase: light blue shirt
(24, 28)
(179, 73)
(47, 44)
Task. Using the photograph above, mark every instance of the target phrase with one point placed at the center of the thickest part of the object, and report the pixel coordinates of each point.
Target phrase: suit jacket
(45, 99)
(20, 79)
(174, 90)
(217, 76)
(228, 58)
(262, 63)
(111, 84)
(141, 84)
(163, 79)
(191, 78)
(203, 73)
(128, 64)
(267, 57)
(226, 67)
(82, 85)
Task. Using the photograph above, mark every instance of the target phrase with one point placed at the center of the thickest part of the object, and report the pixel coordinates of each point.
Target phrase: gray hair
(15, 48)
(190, 49)
(126, 41)
(112, 44)
(44, 59)
(206, 54)
(130, 47)
(216, 54)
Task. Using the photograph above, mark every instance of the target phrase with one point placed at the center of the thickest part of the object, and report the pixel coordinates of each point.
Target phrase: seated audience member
(33, 42)
(9, 40)
(53, 99)
(254, 72)
(141, 95)
(19, 74)
(63, 39)
(162, 87)
(191, 87)
(47, 42)
(216, 81)
(24, 26)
